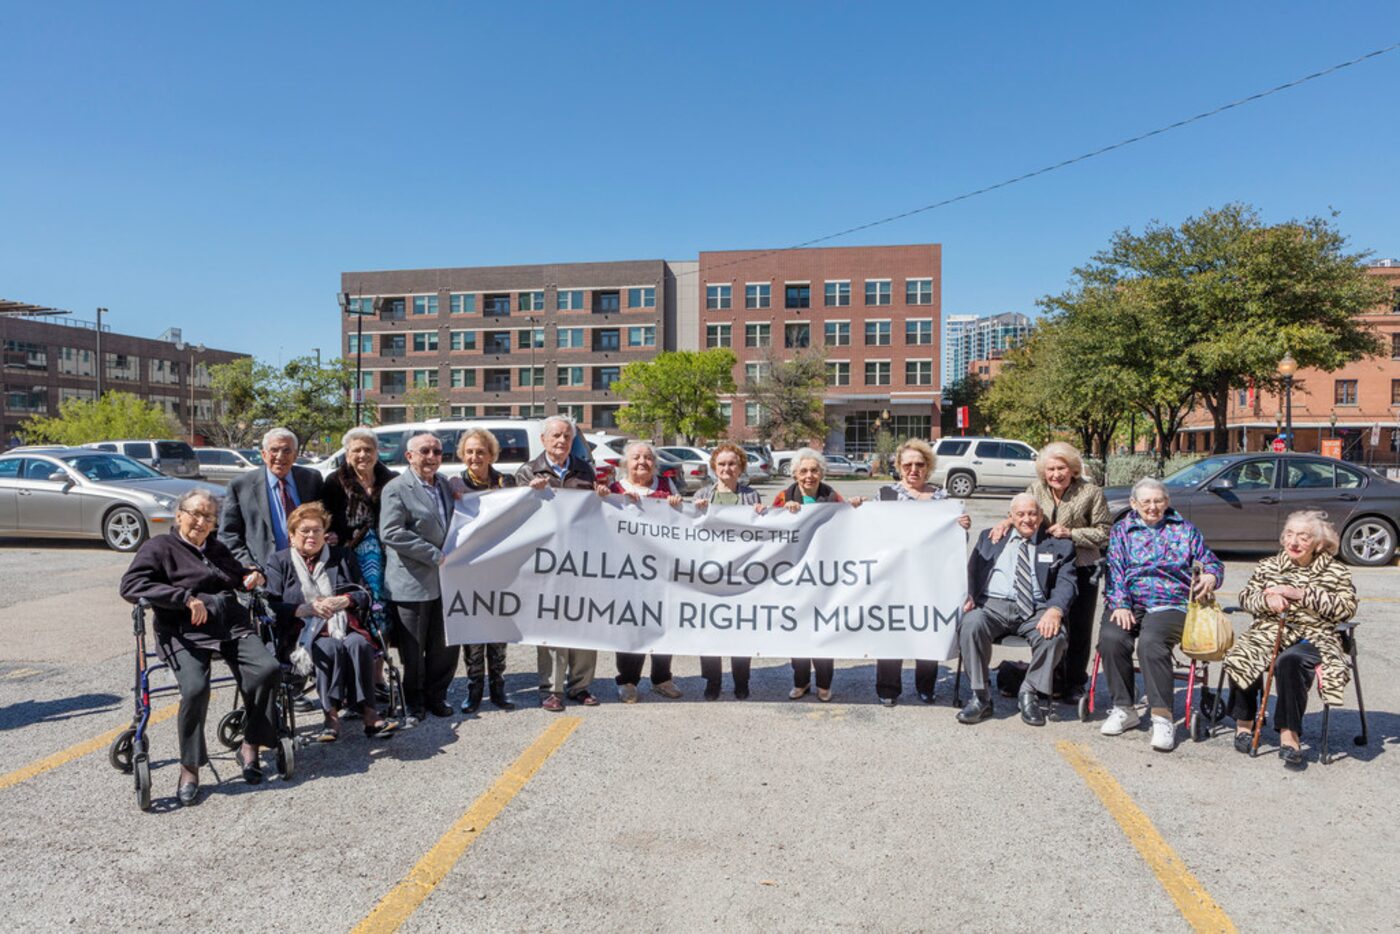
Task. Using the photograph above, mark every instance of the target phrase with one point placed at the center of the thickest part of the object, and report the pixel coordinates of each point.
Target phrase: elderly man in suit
(253, 524)
(563, 672)
(1021, 585)
(414, 515)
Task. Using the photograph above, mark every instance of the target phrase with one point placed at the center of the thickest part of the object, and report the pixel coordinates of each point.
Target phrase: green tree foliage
(311, 399)
(676, 393)
(965, 390)
(115, 415)
(423, 402)
(236, 400)
(791, 398)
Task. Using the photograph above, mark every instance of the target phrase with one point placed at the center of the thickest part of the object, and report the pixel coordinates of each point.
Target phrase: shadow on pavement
(28, 713)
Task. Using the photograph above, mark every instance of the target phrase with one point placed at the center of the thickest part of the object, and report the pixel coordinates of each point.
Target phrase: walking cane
(1268, 684)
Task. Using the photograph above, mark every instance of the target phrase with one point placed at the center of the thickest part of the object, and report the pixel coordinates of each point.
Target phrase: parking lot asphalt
(764, 814)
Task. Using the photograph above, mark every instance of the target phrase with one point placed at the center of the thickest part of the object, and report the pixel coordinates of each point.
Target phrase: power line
(1068, 162)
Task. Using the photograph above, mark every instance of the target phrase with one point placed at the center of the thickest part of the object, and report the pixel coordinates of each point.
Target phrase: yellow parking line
(403, 899)
(1192, 900)
(48, 763)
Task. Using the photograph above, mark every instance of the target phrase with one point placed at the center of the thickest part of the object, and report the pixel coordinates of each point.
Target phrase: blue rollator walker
(130, 751)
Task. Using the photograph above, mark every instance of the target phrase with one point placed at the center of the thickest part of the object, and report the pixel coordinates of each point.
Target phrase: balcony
(607, 303)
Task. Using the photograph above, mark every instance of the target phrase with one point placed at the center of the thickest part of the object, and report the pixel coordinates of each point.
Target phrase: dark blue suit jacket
(1055, 574)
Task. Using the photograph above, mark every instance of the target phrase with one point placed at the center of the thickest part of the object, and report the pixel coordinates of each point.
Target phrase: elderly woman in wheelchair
(1298, 597)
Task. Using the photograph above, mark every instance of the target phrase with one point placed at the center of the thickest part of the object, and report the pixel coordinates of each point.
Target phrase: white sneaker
(627, 693)
(1119, 720)
(1163, 734)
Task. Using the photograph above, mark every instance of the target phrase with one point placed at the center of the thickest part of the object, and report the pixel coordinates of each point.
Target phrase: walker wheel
(1084, 708)
(231, 728)
(120, 752)
(286, 757)
(142, 767)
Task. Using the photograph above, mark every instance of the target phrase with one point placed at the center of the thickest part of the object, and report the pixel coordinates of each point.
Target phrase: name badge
(1044, 558)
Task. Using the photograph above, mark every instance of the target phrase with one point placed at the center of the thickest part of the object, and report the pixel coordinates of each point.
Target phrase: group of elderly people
(331, 553)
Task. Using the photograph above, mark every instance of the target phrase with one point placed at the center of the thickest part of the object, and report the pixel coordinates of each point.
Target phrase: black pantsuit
(712, 670)
(428, 661)
(257, 673)
(1293, 677)
(1079, 627)
(344, 671)
(629, 668)
(1155, 635)
(802, 672)
(889, 677)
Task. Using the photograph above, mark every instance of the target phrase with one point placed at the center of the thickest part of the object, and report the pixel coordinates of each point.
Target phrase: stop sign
(1280, 446)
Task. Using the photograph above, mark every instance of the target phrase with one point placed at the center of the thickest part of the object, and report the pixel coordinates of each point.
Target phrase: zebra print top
(1329, 596)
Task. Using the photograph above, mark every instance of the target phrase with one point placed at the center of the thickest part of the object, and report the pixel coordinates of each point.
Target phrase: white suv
(968, 464)
(519, 439)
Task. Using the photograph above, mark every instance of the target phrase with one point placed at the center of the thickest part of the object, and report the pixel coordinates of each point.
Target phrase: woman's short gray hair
(1149, 483)
(1060, 450)
(276, 434)
(627, 451)
(1324, 533)
(360, 433)
(808, 454)
(194, 494)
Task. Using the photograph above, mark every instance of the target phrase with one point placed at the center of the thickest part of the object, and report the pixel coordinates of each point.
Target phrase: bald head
(1025, 514)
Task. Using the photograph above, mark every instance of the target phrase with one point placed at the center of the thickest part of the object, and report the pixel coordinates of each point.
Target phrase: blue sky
(217, 166)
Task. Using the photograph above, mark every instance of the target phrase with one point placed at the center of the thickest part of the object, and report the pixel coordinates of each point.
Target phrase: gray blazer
(245, 524)
(411, 528)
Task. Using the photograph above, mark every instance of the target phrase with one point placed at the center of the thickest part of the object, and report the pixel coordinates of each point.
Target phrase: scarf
(314, 586)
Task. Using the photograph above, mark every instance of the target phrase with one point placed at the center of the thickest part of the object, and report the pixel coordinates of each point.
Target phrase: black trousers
(1293, 677)
(889, 676)
(428, 661)
(629, 668)
(257, 674)
(485, 656)
(1155, 635)
(1079, 626)
(344, 671)
(712, 670)
(802, 672)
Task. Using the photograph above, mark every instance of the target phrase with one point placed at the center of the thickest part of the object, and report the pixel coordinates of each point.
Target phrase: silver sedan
(84, 493)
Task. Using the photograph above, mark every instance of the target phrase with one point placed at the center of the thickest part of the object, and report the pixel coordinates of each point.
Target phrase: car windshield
(253, 456)
(104, 468)
(1193, 475)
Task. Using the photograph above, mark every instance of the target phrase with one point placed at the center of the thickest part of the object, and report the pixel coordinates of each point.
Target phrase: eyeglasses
(309, 531)
(433, 452)
(199, 516)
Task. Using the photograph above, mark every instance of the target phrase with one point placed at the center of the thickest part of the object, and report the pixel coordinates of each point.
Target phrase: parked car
(85, 493)
(760, 468)
(607, 460)
(519, 439)
(251, 455)
(1241, 501)
(222, 465)
(172, 458)
(694, 463)
(968, 464)
(839, 465)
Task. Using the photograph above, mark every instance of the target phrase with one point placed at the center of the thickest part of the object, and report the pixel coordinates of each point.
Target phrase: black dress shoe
(252, 771)
(1243, 741)
(1030, 709)
(498, 697)
(187, 794)
(889, 701)
(439, 709)
(741, 692)
(711, 692)
(926, 697)
(473, 702)
(976, 711)
(1292, 758)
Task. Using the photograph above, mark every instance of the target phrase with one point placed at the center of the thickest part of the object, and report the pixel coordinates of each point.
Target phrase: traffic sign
(1376, 435)
(1280, 445)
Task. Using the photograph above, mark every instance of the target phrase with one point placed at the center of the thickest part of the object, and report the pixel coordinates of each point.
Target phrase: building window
(531, 376)
(1345, 392)
(758, 335)
(531, 301)
(366, 379)
(643, 336)
(393, 382)
(425, 304)
(1395, 346)
(463, 377)
(726, 411)
(605, 376)
(877, 333)
(572, 300)
(605, 416)
(753, 414)
(756, 372)
(496, 380)
(569, 338)
(569, 376)
(424, 341)
(605, 303)
(464, 411)
(1242, 398)
(758, 295)
(496, 342)
(838, 293)
(393, 345)
(877, 291)
(392, 310)
(918, 331)
(572, 411)
(717, 297)
(644, 297)
(797, 296)
(532, 338)
(496, 411)
(877, 373)
(797, 335)
(425, 379)
(462, 303)
(74, 362)
(164, 371)
(22, 355)
(1395, 392)
(838, 334)
(918, 372)
(124, 367)
(361, 306)
(361, 343)
(496, 306)
(463, 340)
(918, 291)
(391, 414)
(607, 339)
(719, 335)
(33, 399)
(838, 373)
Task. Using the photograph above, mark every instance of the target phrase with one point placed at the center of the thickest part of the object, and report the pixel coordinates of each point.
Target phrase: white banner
(568, 568)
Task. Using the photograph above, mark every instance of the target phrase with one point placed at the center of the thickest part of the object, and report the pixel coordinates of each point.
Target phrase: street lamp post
(1332, 419)
(359, 352)
(1286, 368)
(193, 349)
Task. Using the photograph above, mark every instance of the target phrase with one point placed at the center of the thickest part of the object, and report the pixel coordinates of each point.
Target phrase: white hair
(275, 434)
(1149, 483)
(1023, 498)
(808, 454)
(627, 451)
(359, 434)
(421, 434)
(558, 419)
(195, 493)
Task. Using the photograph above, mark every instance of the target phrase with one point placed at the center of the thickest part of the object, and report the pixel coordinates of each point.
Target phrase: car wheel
(124, 529)
(1369, 542)
(961, 485)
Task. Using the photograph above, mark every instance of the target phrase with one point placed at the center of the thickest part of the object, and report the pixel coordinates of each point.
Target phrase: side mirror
(1221, 486)
(61, 476)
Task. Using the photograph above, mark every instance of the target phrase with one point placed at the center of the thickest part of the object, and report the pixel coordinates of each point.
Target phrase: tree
(791, 398)
(115, 415)
(964, 391)
(423, 402)
(236, 400)
(676, 393)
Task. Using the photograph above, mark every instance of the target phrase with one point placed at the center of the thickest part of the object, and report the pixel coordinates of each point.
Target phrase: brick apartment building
(510, 340)
(50, 359)
(1345, 404)
(873, 311)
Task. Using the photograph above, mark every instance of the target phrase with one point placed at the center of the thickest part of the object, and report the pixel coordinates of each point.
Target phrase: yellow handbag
(1207, 635)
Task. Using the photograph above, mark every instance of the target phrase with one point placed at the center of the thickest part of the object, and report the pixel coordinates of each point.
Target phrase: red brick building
(874, 311)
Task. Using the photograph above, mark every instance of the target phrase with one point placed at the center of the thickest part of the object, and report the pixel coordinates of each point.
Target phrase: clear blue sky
(217, 166)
